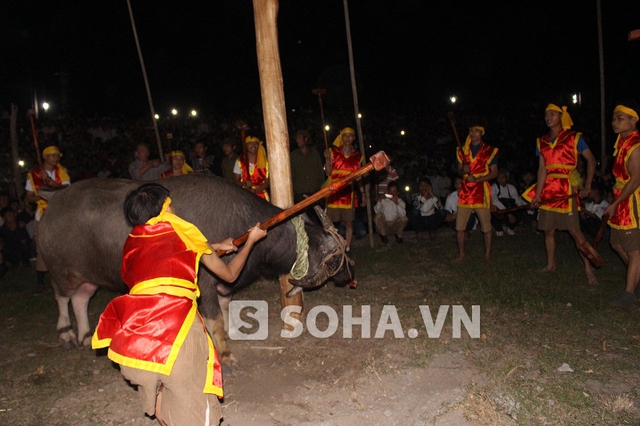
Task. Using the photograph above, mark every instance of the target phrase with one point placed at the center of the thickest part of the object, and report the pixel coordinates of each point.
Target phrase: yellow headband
(477, 127)
(261, 160)
(338, 140)
(565, 119)
(185, 167)
(626, 110)
(51, 150)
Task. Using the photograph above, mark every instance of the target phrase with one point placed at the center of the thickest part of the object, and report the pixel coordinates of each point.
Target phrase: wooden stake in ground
(275, 121)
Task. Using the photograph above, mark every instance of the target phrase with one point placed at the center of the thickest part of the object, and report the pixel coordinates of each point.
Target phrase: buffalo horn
(324, 219)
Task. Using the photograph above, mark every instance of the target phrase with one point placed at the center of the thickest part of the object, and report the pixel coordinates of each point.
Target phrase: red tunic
(60, 176)
(560, 159)
(255, 175)
(476, 194)
(146, 328)
(342, 165)
(626, 214)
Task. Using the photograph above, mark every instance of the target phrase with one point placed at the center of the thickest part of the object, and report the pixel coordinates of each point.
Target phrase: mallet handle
(378, 162)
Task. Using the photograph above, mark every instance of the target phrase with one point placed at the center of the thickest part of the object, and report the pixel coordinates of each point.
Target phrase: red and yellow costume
(476, 194)
(186, 169)
(626, 214)
(146, 328)
(255, 175)
(60, 176)
(560, 159)
(342, 165)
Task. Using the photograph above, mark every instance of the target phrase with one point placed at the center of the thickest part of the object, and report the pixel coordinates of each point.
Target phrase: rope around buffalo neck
(301, 265)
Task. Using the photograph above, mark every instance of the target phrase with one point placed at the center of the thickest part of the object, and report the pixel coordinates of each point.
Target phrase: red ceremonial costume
(560, 159)
(343, 165)
(626, 214)
(255, 175)
(60, 175)
(476, 194)
(146, 328)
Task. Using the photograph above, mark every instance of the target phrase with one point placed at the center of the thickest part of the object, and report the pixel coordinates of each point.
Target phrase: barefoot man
(558, 153)
(623, 211)
(477, 164)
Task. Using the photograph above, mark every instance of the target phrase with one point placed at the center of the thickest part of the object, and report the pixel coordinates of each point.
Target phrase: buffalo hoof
(68, 344)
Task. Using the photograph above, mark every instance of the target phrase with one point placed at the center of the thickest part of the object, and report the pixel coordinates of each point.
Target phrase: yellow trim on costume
(166, 289)
(156, 367)
(188, 232)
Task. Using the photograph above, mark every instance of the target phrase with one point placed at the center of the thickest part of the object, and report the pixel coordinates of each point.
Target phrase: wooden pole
(275, 121)
(356, 107)
(603, 132)
(13, 131)
(146, 83)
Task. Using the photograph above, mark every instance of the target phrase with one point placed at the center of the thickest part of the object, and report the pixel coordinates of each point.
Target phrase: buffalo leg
(68, 338)
(80, 301)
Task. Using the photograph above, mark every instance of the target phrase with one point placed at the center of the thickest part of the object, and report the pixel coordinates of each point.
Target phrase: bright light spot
(45, 105)
(370, 146)
(359, 115)
(157, 116)
(407, 189)
(575, 98)
(453, 99)
(21, 163)
(174, 111)
(194, 113)
(327, 128)
(401, 132)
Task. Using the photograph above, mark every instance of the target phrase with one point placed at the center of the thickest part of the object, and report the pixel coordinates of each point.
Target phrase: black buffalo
(82, 233)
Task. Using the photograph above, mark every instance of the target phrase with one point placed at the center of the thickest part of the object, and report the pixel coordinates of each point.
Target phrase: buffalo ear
(307, 219)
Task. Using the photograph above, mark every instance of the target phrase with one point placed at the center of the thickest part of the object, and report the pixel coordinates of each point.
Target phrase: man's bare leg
(580, 239)
(550, 247)
(488, 236)
(348, 232)
(460, 238)
(633, 270)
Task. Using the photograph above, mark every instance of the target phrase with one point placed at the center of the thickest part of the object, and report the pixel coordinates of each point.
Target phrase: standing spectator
(391, 214)
(477, 164)
(426, 215)
(623, 211)
(252, 170)
(52, 175)
(143, 168)
(229, 159)
(307, 173)
(178, 165)
(385, 177)
(505, 196)
(558, 153)
(340, 160)
(202, 163)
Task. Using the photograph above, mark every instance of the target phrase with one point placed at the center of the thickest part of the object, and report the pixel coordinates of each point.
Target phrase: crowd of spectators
(420, 140)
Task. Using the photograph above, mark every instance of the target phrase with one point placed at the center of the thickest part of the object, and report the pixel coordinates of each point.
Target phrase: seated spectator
(15, 240)
(425, 216)
(391, 214)
(451, 209)
(594, 208)
(505, 196)
(178, 165)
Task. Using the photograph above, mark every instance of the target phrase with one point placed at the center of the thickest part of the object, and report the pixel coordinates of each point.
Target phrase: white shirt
(52, 175)
(391, 210)
(507, 191)
(426, 207)
(451, 203)
(597, 208)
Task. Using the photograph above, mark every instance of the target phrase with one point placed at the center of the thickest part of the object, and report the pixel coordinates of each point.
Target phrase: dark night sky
(201, 53)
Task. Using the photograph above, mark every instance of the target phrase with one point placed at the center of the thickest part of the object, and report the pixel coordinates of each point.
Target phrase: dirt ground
(278, 381)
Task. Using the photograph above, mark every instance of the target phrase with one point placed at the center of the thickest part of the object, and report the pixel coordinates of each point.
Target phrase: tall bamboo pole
(603, 132)
(146, 82)
(356, 108)
(275, 121)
